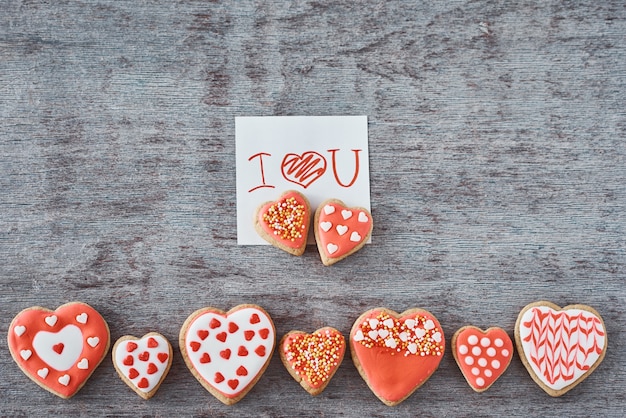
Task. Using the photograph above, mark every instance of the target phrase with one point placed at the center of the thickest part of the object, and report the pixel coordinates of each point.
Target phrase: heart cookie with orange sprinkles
(284, 223)
(313, 359)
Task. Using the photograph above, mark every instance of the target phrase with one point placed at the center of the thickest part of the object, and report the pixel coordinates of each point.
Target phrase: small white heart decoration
(342, 229)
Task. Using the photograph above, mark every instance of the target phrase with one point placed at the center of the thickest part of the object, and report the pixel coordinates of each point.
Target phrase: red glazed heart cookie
(396, 353)
(59, 350)
(481, 355)
(284, 223)
(313, 359)
(340, 231)
(142, 363)
(228, 351)
(560, 347)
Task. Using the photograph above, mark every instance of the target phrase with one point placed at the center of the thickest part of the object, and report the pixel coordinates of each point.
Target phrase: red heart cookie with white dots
(228, 351)
(482, 356)
(284, 223)
(142, 363)
(59, 350)
(313, 359)
(396, 353)
(340, 231)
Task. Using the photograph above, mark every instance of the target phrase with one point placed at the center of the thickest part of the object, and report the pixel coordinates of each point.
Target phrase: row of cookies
(228, 352)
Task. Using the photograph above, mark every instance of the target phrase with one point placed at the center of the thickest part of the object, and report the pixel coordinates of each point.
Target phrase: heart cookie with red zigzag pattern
(560, 347)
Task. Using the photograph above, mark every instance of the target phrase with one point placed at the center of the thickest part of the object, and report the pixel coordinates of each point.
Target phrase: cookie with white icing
(142, 363)
(340, 231)
(228, 352)
(560, 347)
(285, 222)
(59, 350)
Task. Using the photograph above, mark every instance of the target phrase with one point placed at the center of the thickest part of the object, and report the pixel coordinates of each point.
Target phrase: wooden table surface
(498, 178)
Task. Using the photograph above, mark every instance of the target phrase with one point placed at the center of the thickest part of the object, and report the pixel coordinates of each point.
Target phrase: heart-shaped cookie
(313, 359)
(396, 353)
(481, 355)
(228, 351)
(285, 222)
(340, 231)
(59, 350)
(143, 363)
(560, 346)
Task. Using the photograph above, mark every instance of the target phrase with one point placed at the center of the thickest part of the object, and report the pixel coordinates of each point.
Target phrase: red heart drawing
(303, 169)
(560, 346)
(142, 363)
(59, 350)
(313, 359)
(284, 223)
(235, 351)
(481, 355)
(340, 231)
(396, 353)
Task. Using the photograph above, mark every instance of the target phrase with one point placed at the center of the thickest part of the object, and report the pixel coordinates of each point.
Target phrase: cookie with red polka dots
(312, 359)
(340, 231)
(228, 351)
(285, 222)
(143, 363)
(482, 356)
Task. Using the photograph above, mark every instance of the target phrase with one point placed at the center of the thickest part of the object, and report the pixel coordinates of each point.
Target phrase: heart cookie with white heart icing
(142, 363)
(284, 223)
(560, 347)
(228, 351)
(396, 353)
(340, 231)
(59, 350)
(482, 356)
(313, 359)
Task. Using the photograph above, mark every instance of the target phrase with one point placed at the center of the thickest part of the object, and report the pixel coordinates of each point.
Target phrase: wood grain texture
(498, 178)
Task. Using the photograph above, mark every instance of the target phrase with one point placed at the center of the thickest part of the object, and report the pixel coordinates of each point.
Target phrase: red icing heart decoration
(481, 355)
(560, 347)
(284, 223)
(396, 353)
(143, 363)
(340, 231)
(235, 352)
(59, 350)
(313, 359)
(303, 169)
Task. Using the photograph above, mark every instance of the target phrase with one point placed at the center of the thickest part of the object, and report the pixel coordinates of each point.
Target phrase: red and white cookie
(59, 350)
(313, 359)
(482, 356)
(285, 222)
(143, 363)
(228, 351)
(340, 231)
(560, 347)
(396, 353)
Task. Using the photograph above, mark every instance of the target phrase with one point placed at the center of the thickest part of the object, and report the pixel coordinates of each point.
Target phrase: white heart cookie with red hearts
(560, 347)
(482, 356)
(59, 350)
(228, 351)
(340, 231)
(143, 363)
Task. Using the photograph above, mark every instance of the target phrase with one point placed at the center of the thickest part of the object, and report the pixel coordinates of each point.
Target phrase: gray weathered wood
(498, 177)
